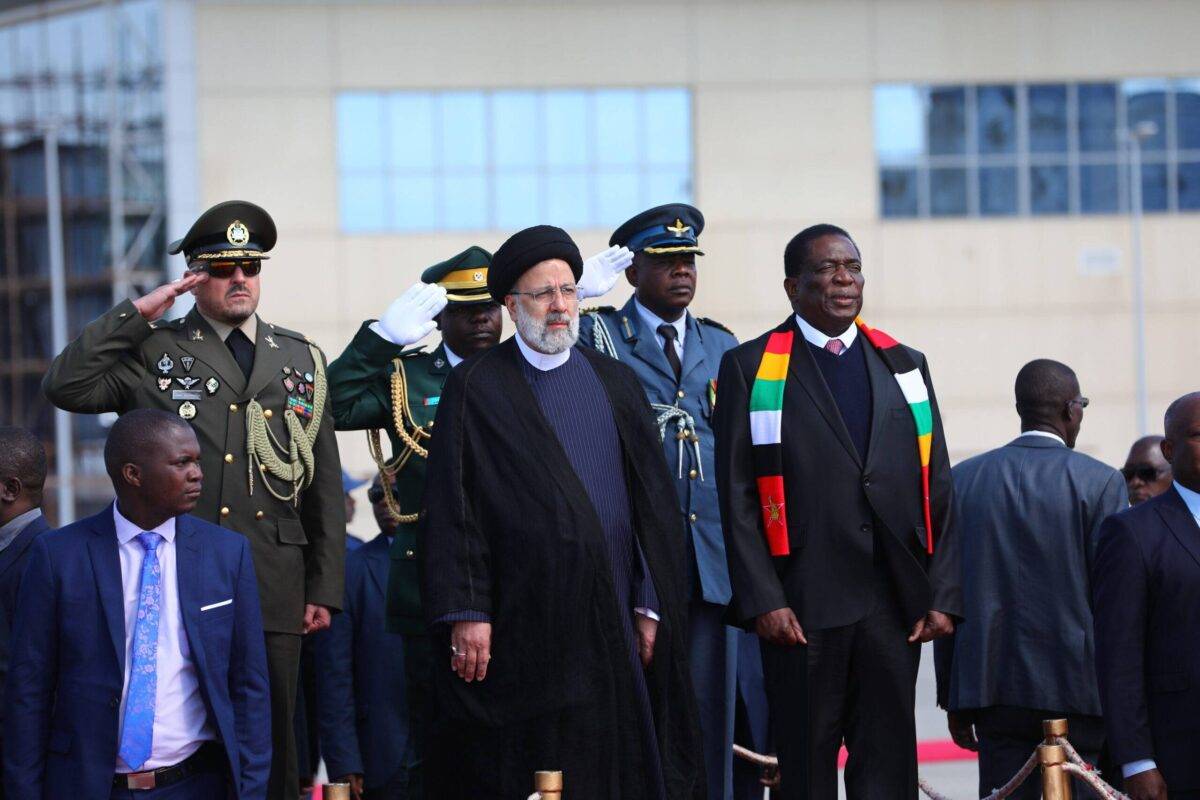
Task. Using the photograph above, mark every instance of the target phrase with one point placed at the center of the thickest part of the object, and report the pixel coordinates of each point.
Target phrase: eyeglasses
(1082, 402)
(544, 297)
(375, 494)
(225, 269)
(1144, 473)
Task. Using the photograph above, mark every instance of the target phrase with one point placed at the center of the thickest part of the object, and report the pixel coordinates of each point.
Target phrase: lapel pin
(441, 362)
(271, 342)
(197, 336)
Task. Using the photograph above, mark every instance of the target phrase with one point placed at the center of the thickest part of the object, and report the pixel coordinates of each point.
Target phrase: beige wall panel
(247, 48)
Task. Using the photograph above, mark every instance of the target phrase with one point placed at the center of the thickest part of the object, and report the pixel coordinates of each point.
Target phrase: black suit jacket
(1146, 586)
(843, 511)
(12, 564)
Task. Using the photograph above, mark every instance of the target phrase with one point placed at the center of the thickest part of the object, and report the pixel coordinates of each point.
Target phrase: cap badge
(679, 229)
(237, 234)
(478, 276)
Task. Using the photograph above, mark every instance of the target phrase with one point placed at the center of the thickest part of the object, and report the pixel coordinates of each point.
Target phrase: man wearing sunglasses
(255, 394)
(1147, 473)
(1029, 516)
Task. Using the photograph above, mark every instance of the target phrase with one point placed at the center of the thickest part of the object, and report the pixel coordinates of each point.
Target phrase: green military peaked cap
(464, 276)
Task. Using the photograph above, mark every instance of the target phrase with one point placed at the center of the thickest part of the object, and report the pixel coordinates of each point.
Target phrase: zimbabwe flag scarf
(766, 425)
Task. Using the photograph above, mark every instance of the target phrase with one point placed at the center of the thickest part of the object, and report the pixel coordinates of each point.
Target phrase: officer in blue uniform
(676, 356)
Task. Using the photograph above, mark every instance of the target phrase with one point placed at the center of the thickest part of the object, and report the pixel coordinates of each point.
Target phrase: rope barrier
(1091, 777)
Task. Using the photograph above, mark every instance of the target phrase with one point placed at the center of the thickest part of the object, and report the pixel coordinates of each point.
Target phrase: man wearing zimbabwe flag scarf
(835, 498)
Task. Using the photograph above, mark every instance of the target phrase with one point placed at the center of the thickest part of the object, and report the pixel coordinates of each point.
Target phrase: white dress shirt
(1192, 501)
(818, 339)
(180, 719)
(1045, 435)
(454, 358)
(249, 327)
(542, 361)
(652, 321)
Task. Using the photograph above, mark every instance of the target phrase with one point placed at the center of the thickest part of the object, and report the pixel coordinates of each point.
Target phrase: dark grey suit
(1029, 517)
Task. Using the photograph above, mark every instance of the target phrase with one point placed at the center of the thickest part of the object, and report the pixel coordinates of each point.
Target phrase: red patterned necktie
(835, 346)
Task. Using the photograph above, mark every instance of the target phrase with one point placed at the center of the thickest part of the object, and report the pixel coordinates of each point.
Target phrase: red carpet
(931, 751)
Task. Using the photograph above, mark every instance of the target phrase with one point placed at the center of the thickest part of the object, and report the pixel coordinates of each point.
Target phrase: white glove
(600, 272)
(409, 318)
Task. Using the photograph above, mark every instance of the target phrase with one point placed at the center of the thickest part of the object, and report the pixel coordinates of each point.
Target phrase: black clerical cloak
(509, 530)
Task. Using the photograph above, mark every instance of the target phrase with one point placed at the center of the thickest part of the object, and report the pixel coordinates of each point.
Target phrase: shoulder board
(712, 323)
(598, 310)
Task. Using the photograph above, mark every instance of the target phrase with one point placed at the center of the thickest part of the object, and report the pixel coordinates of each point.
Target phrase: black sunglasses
(1145, 474)
(375, 494)
(225, 269)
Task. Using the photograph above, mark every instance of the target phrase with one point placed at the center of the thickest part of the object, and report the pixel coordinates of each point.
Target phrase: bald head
(153, 458)
(1181, 447)
(1048, 399)
(135, 435)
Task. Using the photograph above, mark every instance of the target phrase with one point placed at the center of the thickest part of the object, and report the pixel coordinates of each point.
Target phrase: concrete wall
(783, 138)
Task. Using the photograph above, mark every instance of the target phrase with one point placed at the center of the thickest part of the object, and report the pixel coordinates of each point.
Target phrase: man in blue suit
(676, 357)
(1146, 589)
(360, 676)
(138, 665)
(22, 476)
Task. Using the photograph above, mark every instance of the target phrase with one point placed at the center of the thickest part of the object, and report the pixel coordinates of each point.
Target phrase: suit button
(259, 515)
(233, 408)
(692, 517)
(431, 424)
(224, 511)
(692, 474)
(229, 458)
(865, 528)
(409, 554)
(679, 394)
(866, 480)
(268, 413)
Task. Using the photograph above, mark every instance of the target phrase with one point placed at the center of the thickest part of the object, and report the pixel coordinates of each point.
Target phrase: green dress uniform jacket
(119, 363)
(360, 382)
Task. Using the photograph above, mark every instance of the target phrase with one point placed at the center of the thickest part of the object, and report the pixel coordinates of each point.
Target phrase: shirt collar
(1046, 434)
(542, 361)
(652, 321)
(126, 530)
(249, 326)
(454, 358)
(818, 339)
(18, 523)
(1190, 498)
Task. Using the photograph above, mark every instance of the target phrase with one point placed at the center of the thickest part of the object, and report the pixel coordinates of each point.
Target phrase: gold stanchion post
(1052, 728)
(336, 791)
(548, 785)
(1056, 783)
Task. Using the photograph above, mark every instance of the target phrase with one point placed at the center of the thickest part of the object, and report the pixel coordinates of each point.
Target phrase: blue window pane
(1098, 189)
(947, 120)
(1147, 103)
(668, 127)
(567, 119)
(899, 123)
(948, 192)
(618, 196)
(1048, 118)
(996, 118)
(463, 129)
(362, 202)
(616, 121)
(1154, 187)
(1187, 115)
(1049, 190)
(569, 200)
(1097, 117)
(997, 191)
(515, 129)
(464, 202)
(898, 192)
(360, 130)
(661, 186)
(414, 206)
(410, 126)
(1189, 186)
(516, 200)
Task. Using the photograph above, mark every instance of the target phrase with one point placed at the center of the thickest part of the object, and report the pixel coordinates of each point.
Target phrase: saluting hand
(780, 627)
(934, 625)
(601, 271)
(409, 318)
(471, 649)
(154, 305)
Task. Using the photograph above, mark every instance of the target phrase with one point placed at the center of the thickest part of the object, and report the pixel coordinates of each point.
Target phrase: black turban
(527, 248)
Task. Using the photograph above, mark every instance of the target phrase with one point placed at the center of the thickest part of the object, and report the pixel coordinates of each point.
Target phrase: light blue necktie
(137, 735)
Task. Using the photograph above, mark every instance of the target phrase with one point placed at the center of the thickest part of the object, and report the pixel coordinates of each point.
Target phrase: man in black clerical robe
(550, 557)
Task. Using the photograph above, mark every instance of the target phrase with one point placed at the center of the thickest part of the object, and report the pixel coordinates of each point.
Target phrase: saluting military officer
(676, 356)
(256, 395)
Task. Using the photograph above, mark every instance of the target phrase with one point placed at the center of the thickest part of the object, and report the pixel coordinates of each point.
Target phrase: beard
(537, 334)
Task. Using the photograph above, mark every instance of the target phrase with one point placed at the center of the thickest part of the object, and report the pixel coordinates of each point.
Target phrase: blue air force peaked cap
(673, 228)
(526, 249)
(234, 229)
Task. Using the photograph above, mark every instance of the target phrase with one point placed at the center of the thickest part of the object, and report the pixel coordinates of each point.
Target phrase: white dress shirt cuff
(1134, 767)
(645, 612)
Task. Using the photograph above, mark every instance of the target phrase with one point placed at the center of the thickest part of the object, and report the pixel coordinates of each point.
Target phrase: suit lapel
(189, 570)
(269, 361)
(1179, 519)
(210, 349)
(881, 380)
(693, 348)
(106, 566)
(804, 371)
(645, 342)
(378, 562)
